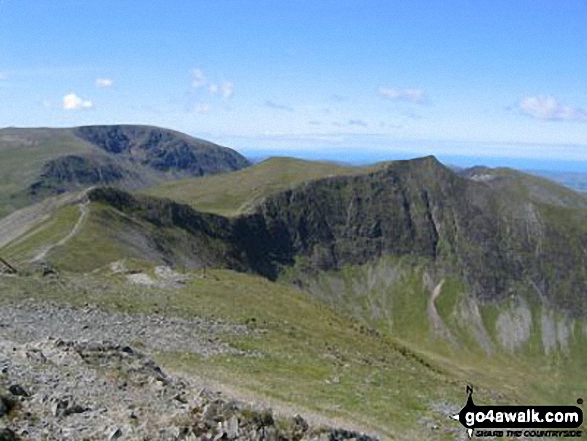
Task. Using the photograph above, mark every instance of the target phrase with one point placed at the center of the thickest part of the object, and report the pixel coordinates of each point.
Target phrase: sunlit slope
(83, 237)
(240, 192)
(38, 163)
(521, 343)
(524, 186)
(309, 356)
(23, 152)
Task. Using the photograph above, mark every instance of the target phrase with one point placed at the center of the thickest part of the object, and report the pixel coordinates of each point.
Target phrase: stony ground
(69, 374)
(29, 322)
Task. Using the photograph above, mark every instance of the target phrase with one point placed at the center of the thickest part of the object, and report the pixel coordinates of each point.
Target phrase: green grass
(315, 358)
(22, 155)
(231, 194)
(50, 232)
(526, 374)
(312, 358)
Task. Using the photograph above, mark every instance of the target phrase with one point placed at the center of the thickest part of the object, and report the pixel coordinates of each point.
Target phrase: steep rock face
(163, 150)
(418, 208)
(76, 171)
(423, 209)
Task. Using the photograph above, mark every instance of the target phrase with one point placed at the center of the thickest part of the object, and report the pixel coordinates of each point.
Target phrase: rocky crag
(87, 389)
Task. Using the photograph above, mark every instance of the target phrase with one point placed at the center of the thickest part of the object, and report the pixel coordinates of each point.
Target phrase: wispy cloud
(412, 95)
(277, 106)
(227, 89)
(72, 101)
(314, 123)
(198, 78)
(213, 89)
(357, 122)
(548, 108)
(3, 76)
(203, 108)
(104, 83)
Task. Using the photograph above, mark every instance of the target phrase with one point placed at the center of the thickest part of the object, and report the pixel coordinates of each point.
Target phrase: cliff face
(417, 208)
(163, 150)
(78, 171)
(42, 162)
(495, 239)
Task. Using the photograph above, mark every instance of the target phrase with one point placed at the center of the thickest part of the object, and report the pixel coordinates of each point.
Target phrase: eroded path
(71, 374)
(438, 326)
(83, 212)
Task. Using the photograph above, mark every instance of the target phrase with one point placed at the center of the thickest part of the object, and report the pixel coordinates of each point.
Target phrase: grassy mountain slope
(309, 357)
(527, 186)
(393, 324)
(320, 358)
(23, 153)
(38, 163)
(240, 192)
(500, 245)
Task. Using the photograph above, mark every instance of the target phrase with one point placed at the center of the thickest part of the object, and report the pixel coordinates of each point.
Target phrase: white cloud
(213, 89)
(73, 102)
(548, 108)
(203, 108)
(104, 82)
(227, 89)
(198, 78)
(413, 95)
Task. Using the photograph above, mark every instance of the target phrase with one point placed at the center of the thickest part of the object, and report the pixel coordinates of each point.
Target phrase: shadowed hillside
(37, 163)
(419, 208)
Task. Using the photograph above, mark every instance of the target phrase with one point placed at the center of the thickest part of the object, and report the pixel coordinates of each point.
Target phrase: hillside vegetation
(378, 294)
(240, 192)
(39, 163)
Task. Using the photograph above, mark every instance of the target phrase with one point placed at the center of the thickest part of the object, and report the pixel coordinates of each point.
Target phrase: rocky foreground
(87, 389)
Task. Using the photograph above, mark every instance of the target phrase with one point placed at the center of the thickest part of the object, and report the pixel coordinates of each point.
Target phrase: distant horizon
(352, 149)
(485, 79)
(523, 164)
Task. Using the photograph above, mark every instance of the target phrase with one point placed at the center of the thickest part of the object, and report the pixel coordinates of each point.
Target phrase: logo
(517, 421)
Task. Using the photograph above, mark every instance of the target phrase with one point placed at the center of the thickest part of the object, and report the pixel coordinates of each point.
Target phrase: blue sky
(344, 79)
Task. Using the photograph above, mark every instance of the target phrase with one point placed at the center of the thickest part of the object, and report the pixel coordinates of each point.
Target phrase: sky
(495, 81)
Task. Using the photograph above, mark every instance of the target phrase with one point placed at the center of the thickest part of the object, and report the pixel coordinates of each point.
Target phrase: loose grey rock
(117, 433)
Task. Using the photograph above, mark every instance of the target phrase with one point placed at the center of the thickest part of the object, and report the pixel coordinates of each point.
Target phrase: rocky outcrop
(163, 150)
(103, 391)
(79, 171)
(416, 208)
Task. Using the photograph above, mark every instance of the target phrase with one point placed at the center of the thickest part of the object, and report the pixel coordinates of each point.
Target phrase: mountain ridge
(414, 208)
(39, 162)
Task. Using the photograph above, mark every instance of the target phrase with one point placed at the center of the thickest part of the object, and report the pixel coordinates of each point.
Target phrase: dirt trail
(106, 334)
(438, 326)
(18, 223)
(83, 209)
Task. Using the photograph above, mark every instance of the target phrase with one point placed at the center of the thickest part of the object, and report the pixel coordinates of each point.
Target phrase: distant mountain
(493, 233)
(574, 180)
(36, 163)
(231, 194)
(478, 275)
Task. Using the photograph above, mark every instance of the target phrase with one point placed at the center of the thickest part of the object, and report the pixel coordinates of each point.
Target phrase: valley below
(286, 300)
